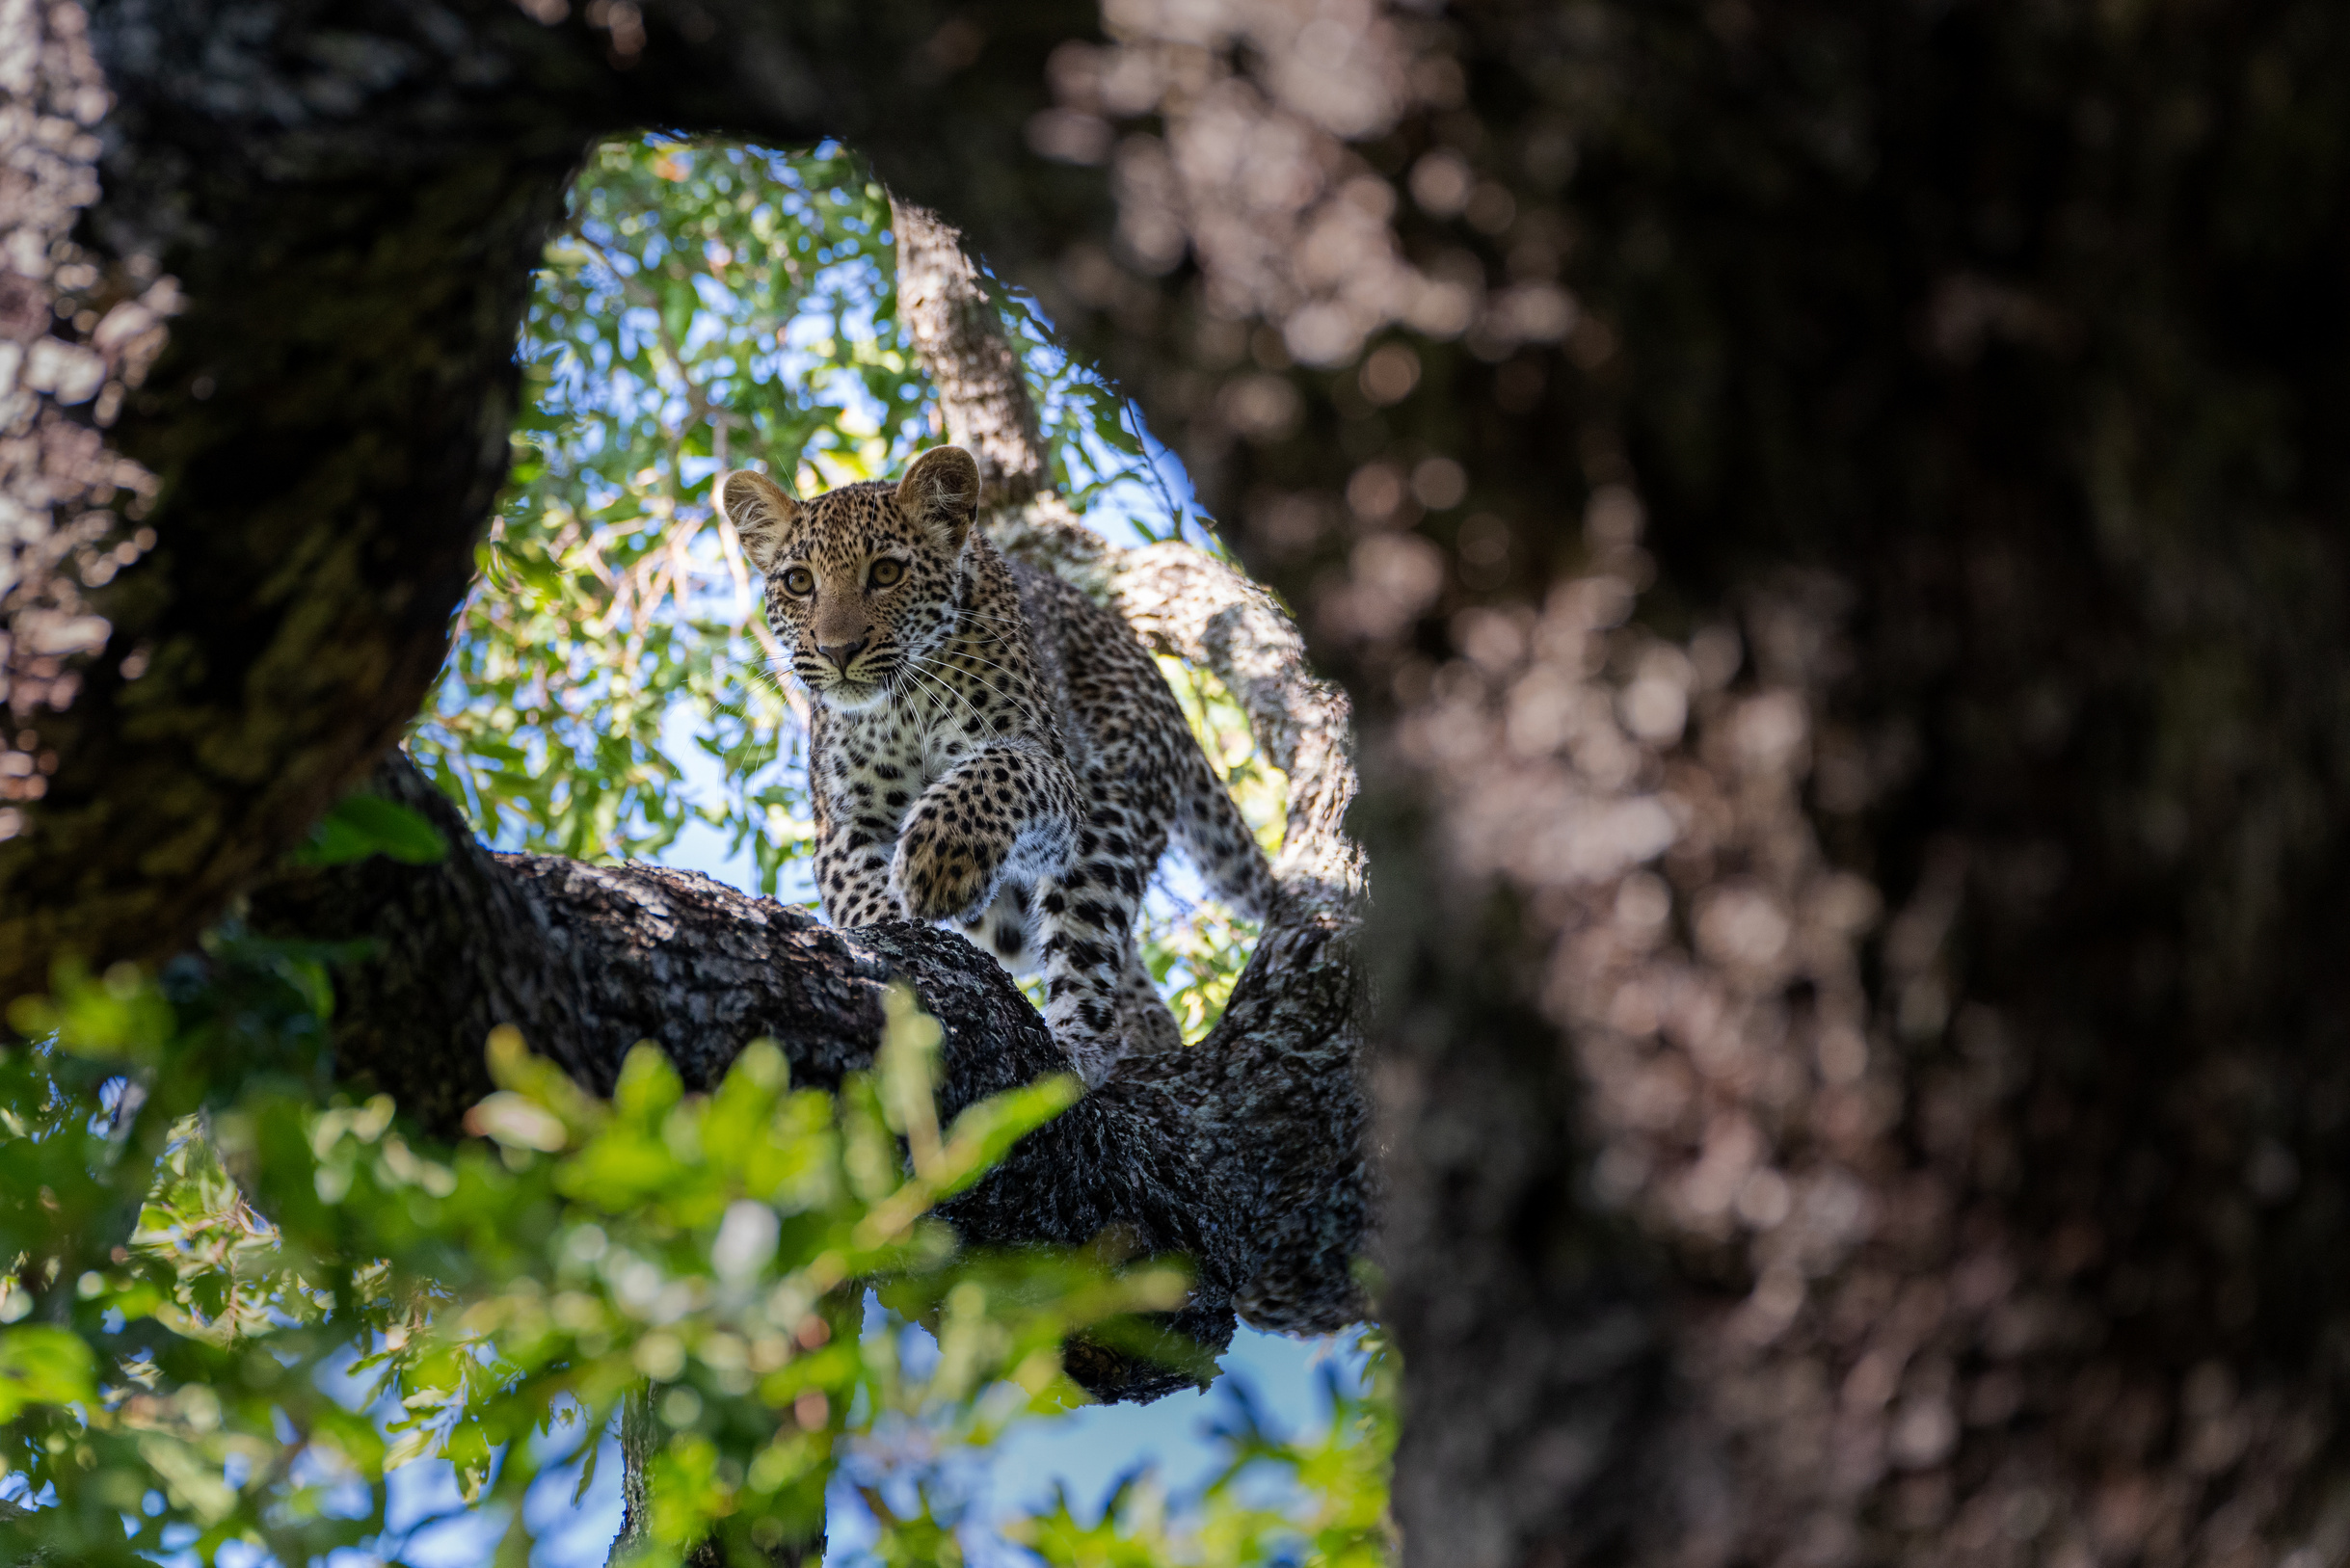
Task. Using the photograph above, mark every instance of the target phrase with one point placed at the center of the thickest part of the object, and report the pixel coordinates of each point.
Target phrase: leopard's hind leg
(1145, 1018)
(1086, 926)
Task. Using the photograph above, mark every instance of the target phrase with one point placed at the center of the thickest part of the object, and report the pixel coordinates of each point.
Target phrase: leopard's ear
(761, 510)
(941, 493)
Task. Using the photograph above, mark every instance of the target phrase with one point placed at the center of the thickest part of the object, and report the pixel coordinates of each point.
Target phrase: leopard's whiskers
(931, 687)
(932, 684)
(998, 627)
(931, 661)
(974, 654)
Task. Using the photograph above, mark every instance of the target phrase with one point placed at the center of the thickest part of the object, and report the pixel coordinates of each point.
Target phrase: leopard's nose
(841, 652)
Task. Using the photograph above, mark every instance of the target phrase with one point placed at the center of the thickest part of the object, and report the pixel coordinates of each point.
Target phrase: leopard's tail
(1216, 838)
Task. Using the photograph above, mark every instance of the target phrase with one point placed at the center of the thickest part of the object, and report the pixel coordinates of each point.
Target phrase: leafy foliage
(254, 1354)
(1197, 949)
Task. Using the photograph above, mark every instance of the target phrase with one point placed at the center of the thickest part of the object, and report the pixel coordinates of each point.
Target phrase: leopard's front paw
(941, 875)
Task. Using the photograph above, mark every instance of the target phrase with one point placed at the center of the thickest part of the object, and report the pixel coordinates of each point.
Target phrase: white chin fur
(853, 695)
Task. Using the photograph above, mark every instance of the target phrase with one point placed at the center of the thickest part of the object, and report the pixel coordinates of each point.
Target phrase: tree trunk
(1833, 518)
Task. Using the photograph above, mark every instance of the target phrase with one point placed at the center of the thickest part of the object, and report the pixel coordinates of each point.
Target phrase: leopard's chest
(877, 765)
(879, 762)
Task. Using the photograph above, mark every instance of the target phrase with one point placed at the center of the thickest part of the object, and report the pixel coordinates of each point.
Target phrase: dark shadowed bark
(1833, 520)
(1830, 518)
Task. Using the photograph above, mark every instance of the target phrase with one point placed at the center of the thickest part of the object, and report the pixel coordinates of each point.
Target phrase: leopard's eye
(887, 572)
(799, 580)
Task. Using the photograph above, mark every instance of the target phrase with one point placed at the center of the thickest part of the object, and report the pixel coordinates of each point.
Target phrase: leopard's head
(861, 581)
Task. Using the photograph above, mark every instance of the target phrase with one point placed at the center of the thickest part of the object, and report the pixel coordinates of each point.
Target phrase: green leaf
(363, 825)
(985, 1133)
(40, 1365)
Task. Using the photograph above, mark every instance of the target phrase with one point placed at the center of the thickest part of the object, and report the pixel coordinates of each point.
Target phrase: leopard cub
(989, 747)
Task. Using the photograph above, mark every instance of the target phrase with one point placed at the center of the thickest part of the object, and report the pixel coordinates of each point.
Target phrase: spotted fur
(989, 746)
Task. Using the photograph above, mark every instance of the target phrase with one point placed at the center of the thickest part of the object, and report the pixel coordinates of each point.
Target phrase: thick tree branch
(972, 367)
(587, 961)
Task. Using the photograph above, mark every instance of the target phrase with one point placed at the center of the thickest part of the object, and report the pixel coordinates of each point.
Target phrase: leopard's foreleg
(853, 875)
(1001, 810)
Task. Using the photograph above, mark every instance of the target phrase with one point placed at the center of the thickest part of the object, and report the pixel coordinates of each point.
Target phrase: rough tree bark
(972, 364)
(1829, 518)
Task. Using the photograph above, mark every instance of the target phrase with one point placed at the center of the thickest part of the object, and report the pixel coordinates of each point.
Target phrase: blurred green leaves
(358, 826)
(208, 1357)
(44, 1366)
(118, 1016)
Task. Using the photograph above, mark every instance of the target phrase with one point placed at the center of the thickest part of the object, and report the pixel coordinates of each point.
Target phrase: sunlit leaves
(703, 307)
(1197, 953)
